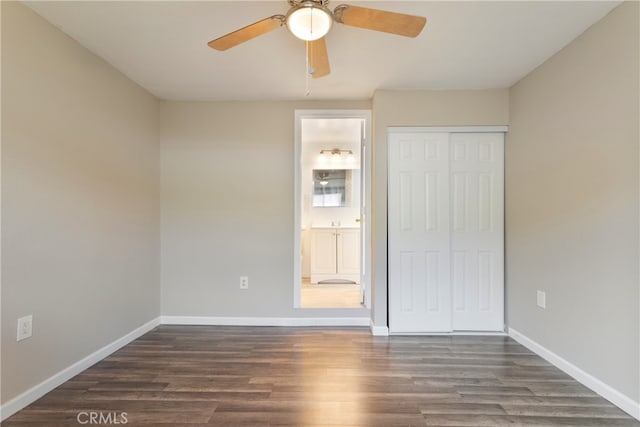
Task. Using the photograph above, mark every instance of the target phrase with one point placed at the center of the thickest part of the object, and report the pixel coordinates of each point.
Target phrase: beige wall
(79, 201)
(228, 208)
(418, 108)
(572, 202)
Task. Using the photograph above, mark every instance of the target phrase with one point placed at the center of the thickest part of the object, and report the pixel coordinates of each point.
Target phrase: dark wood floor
(245, 376)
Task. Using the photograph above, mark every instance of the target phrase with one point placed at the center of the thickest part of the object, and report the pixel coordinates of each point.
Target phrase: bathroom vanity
(335, 254)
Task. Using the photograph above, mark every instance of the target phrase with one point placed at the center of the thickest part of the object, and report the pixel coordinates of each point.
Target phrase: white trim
(454, 333)
(379, 331)
(39, 390)
(447, 129)
(612, 395)
(297, 243)
(265, 321)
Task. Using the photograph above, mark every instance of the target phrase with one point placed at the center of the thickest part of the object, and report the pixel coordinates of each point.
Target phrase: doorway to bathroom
(332, 234)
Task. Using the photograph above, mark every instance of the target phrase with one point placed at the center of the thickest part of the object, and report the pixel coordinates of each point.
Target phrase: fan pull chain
(307, 70)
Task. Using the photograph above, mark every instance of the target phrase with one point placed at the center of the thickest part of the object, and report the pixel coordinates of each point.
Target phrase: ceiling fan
(311, 20)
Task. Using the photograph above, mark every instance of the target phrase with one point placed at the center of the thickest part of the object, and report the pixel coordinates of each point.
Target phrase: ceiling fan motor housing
(299, 2)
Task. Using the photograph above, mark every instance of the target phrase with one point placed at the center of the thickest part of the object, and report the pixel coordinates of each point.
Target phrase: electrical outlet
(25, 325)
(542, 299)
(244, 282)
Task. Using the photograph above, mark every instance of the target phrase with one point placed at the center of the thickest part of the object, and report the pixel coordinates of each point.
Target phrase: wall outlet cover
(542, 299)
(244, 282)
(25, 327)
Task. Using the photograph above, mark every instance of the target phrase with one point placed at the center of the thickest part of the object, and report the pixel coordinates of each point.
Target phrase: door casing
(365, 273)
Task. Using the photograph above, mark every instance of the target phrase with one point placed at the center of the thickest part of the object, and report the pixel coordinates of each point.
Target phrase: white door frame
(365, 224)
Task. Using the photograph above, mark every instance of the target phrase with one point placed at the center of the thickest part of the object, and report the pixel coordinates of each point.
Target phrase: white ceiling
(465, 45)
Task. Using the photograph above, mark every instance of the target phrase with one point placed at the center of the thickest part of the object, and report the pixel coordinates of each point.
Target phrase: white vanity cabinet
(335, 254)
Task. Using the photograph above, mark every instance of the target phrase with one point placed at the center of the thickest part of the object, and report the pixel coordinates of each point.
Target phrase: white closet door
(477, 230)
(419, 238)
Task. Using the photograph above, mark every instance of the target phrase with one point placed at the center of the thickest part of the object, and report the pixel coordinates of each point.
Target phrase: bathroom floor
(329, 295)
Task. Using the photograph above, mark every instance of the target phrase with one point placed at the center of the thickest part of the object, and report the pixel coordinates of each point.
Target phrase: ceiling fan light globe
(309, 21)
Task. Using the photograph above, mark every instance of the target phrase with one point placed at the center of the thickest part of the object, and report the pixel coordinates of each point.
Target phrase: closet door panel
(419, 242)
(477, 238)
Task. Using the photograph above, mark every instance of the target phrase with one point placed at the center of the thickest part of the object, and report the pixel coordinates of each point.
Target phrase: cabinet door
(323, 251)
(419, 244)
(348, 251)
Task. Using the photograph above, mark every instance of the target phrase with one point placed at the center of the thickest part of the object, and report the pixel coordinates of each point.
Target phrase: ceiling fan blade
(318, 58)
(380, 20)
(247, 33)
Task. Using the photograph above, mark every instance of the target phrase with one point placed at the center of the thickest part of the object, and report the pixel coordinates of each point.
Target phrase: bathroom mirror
(332, 188)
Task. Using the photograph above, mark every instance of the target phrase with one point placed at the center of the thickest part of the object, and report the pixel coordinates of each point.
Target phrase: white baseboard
(265, 321)
(39, 390)
(379, 331)
(453, 333)
(612, 395)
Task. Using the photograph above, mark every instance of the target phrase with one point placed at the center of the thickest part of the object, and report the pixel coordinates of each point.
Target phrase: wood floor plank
(564, 411)
(465, 420)
(267, 376)
(462, 408)
(315, 418)
(505, 399)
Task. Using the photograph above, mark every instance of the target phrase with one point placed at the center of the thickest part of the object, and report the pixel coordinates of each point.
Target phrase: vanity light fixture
(337, 152)
(336, 155)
